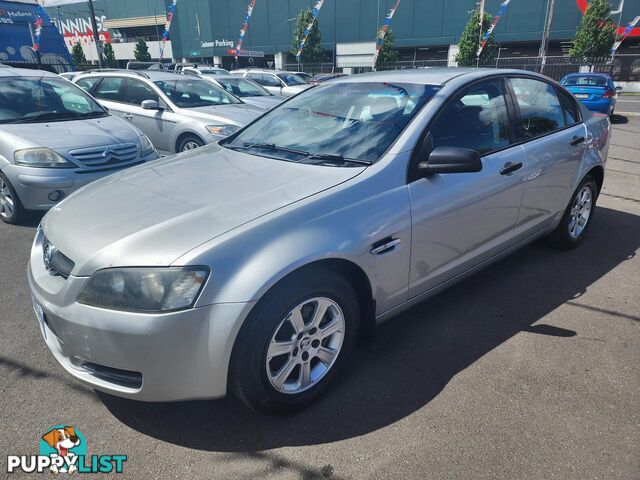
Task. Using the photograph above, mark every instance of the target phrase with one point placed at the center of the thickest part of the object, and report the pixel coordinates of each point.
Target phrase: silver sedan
(252, 265)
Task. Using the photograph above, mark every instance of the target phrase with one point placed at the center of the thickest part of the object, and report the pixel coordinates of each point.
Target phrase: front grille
(107, 156)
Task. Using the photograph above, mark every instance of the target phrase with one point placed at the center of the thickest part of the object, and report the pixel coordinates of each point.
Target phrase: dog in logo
(62, 439)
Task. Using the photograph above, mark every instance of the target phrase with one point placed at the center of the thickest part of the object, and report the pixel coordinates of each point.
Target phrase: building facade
(205, 30)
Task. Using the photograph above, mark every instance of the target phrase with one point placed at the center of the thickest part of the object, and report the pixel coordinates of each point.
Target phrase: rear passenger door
(110, 93)
(460, 220)
(553, 136)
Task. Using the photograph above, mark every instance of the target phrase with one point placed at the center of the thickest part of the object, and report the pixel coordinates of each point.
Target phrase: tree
(312, 49)
(77, 55)
(470, 40)
(109, 56)
(141, 51)
(388, 53)
(595, 35)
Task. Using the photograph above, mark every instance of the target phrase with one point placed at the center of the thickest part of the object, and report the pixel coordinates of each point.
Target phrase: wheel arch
(182, 136)
(597, 173)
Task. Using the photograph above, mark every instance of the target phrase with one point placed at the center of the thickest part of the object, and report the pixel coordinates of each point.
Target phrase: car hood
(266, 102)
(154, 213)
(237, 114)
(62, 136)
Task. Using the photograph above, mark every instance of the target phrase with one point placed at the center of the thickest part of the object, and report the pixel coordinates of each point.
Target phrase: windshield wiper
(333, 158)
(273, 147)
(37, 116)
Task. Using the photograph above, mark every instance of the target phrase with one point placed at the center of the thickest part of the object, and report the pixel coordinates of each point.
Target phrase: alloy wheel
(580, 211)
(305, 345)
(191, 145)
(7, 206)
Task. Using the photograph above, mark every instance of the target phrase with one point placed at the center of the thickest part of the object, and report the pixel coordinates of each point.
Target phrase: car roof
(6, 71)
(430, 76)
(152, 75)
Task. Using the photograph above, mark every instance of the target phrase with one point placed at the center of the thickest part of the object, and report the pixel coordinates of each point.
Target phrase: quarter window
(475, 119)
(569, 107)
(110, 89)
(540, 109)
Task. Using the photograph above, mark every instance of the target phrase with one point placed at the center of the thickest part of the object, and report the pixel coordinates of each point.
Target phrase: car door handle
(510, 168)
(385, 245)
(576, 140)
(127, 116)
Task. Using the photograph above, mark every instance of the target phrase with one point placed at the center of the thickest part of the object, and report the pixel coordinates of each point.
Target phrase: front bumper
(33, 185)
(165, 357)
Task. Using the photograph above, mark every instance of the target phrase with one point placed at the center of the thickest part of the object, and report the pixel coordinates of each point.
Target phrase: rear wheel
(294, 341)
(577, 217)
(190, 142)
(11, 210)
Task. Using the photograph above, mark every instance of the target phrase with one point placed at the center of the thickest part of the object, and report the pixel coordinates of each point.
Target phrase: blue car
(595, 90)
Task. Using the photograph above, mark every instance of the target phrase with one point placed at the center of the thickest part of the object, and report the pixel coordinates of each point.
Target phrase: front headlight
(146, 146)
(41, 157)
(225, 130)
(150, 290)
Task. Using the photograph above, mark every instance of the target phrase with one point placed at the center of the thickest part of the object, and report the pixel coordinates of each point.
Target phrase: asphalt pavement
(628, 104)
(528, 370)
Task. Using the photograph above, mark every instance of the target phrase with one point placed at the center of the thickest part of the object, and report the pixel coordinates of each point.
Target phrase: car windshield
(586, 80)
(241, 87)
(192, 93)
(291, 79)
(214, 72)
(44, 99)
(336, 122)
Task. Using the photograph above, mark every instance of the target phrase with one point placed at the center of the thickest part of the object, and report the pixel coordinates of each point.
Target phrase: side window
(569, 107)
(539, 106)
(476, 118)
(270, 80)
(110, 89)
(87, 83)
(137, 92)
(256, 77)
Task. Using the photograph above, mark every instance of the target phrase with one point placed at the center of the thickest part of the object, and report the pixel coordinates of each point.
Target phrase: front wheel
(294, 341)
(577, 217)
(11, 210)
(190, 142)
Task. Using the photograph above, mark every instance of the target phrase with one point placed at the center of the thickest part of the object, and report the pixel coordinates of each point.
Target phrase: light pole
(96, 36)
(545, 34)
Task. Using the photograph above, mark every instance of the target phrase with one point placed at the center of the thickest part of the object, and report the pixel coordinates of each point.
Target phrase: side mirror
(618, 88)
(451, 160)
(151, 105)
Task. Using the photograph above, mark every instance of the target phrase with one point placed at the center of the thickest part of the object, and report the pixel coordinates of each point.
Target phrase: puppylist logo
(63, 449)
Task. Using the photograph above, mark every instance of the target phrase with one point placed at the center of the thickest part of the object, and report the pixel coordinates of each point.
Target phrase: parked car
(595, 90)
(177, 112)
(69, 75)
(145, 66)
(54, 138)
(201, 70)
(277, 82)
(249, 91)
(254, 264)
(304, 75)
(323, 77)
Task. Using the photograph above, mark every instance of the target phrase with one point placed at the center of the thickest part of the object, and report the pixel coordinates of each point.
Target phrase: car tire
(11, 209)
(577, 217)
(260, 361)
(189, 142)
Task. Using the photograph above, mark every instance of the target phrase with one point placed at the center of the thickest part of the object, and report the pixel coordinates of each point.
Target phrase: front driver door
(153, 123)
(461, 219)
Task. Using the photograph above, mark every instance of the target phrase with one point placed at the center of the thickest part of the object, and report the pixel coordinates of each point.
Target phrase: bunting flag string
(245, 27)
(496, 19)
(40, 14)
(307, 31)
(626, 32)
(171, 10)
(383, 33)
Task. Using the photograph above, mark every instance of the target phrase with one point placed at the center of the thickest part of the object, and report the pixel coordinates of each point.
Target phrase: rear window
(586, 81)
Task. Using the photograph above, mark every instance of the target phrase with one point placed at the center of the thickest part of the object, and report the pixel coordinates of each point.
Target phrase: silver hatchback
(252, 265)
(54, 138)
(177, 112)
